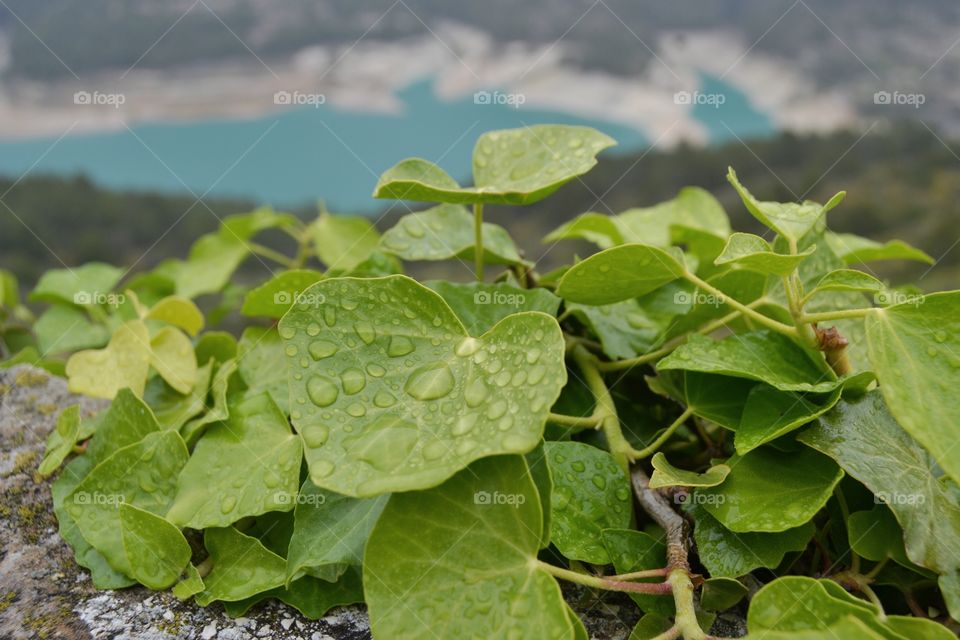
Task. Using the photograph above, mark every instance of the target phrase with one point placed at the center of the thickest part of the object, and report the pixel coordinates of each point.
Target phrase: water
(309, 154)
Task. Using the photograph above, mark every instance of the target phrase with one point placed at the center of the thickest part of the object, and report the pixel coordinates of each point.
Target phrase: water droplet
(430, 382)
(320, 349)
(287, 332)
(533, 355)
(322, 468)
(435, 450)
(376, 370)
(599, 482)
(384, 444)
(536, 374)
(227, 504)
(291, 350)
(322, 391)
(399, 346)
(464, 425)
(330, 315)
(604, 268)
(622, 494)
(468, 347)
(313, 329)
(505, 424)
(414, 228)
(315, 435)
(271, 480)
(578, 466)
(357, 410)
(502, 378)
(932, 352)
(366, 332)
(940, 336)
(349, 304)
(353, 381)
(475, 393)
(497, 410)
(519, 377)
(384, 399)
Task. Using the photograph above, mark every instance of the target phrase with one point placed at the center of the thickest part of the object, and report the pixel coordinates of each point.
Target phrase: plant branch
(584, 422)
(606, 409)
(478, 240)
(270, 254)
(598, 582)
(652, 448)
(746, 310)
(840, 314)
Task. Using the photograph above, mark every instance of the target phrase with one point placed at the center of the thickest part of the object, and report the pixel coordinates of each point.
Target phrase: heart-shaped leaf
(590, 493)
(770, 413)
(273, 298)
(511, 166)
(156, 550)
(445, 232)
(667, 475)
(854, 249)
(179, 312)
(172, 355)
(790, 219)
(876, 535)
(423, 577)
(124, 362)
(245, 466)
(242, 567)
(64, 329)
(847, 280)
(771, 491)
(636, 268)
(61, 440)
(83, 286)
(753, 253)
(481, 305)
(343, 242)
(390, 393)
(915, 351)
(312, 597)
(173, 409)
(259, 358)
(720, 594)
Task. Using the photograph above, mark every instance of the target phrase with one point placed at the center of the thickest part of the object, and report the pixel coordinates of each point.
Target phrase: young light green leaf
(590, 493)
(729, 554)
(190, 585)
(600, 229)
(480, 579)
(212, 260)
(259, 361)
(245, 466)
(219, 346)
(61, 440)
(273, 298)
(847, 280)
(225, 380)
(173, 409)
(667, 475)
(636, 268)
(64, 329)
(124, 362)
(310, 596)
(753, 253)
(481, 305)
(156, 551)
(381, 355)
(445, 232)
(854, 249)
(172, 355)
(876, 535)
(790, 219)
(869, 444)
(770, 491)
(242, 567)
(765, 356)
(631, 551)
(179, 312)
(915, 351)
(720, 594)
(511, 166)
(82, 286)
(329, 532)
(343, 242)
(770, 413)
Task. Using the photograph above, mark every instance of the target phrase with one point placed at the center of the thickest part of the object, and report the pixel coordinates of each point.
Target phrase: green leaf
(173, 409)
(854, 249)
(511, 166)
(915, 352)
(273, 298)
(771, 491)
(790, 219)
(390, 393)
(876, 535)
(217, 345)
(156, 551)
(242, 567)
(753, 253)
(64, 329)
(142, 474)
(343, 242)
(212, 260)
(172, 355)
(81, 286)
(720, 594)
(446, 232)
(717, 398)
(310, 596)
(61, 440)
(330, 532)
(190, 585)
(124, 362)
(728, 554)
(636, 268)
(667, 475)
(590, 493)
(179, 312)
(868, 443)
(600, 229)
(9, 290)
(245, 466)
(770, 413)
(847, 280)
(423, 577)
(219, 390)
(765, 356)
(260, 362)
(481, 305)
(631, 551)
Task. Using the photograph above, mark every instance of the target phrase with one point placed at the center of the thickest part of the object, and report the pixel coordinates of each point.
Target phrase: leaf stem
(609, 584)
(746, 310)
(578, 422)
(652, 448)
(478, 240)
(840, 314)
(877, 568)
(270, 254)
(606, 410)
(638, 575)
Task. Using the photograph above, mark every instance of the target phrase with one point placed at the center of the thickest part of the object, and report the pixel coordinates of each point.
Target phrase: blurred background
(127, 127)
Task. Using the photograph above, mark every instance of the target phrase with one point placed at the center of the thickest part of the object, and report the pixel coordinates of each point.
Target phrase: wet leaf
(242, 567)
(636, 268)
(481, 305)
(666, 475)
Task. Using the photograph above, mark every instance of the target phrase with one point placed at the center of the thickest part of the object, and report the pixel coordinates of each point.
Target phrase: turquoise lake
(309, 154)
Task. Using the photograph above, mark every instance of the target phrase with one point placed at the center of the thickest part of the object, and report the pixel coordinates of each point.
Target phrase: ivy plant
(711, 422)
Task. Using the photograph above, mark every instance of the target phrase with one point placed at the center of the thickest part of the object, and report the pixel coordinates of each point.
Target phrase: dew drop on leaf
(353, 381)
(322, 391)
(227, 504)
(430, 382)
(399, 346)
(320, 349)
(366, 332)
(315, 435)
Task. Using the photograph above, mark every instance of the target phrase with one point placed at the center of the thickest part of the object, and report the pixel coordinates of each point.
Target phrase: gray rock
(45, 594)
